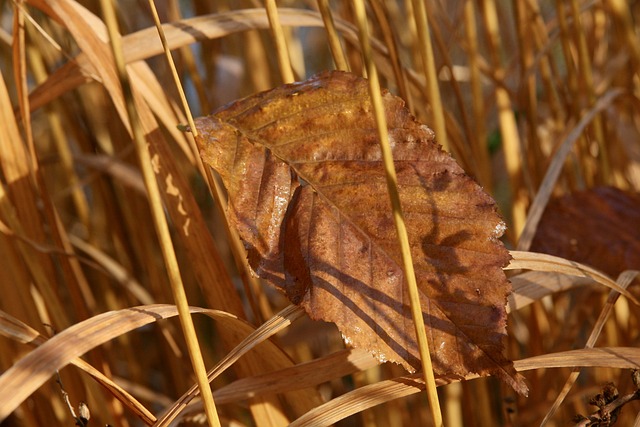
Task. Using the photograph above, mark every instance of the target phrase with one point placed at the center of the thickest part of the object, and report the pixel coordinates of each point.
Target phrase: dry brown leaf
(598, 227)
(302, 166)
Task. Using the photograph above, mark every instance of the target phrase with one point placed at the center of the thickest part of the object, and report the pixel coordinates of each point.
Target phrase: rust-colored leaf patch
(307, 193)
(598, 227)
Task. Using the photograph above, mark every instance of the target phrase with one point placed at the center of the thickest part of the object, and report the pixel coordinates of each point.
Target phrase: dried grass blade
(384, 391)
(30, 372)
(274, 325)
(532, 286)
(358, 400)
(115, 270)
(431, 74)
(606, 357)
(14, 329)
(553, 172)
(544, 262)
(303, 375)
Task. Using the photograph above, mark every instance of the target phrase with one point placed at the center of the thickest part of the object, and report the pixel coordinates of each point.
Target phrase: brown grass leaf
(302, 166)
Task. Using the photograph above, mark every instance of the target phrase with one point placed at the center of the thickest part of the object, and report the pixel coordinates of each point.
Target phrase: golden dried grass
(554, 83)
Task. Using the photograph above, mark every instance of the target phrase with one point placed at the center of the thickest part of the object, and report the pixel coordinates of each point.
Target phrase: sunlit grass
(537, 98)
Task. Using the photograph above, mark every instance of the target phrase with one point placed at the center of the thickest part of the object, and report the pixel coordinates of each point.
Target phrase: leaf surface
(307, 192)
(597, 227)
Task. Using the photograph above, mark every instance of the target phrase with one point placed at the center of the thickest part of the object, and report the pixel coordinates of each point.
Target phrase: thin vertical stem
(479, 145)
(508, 127)
(431, 74)
(403, 238)
(334, 41)
(281, 44)
(159, 220)
(587, 75)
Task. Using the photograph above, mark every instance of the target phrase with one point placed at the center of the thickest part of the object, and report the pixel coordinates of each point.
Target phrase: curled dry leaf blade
(371, 395)
(15, 329)
(307, 193)
(30, 372)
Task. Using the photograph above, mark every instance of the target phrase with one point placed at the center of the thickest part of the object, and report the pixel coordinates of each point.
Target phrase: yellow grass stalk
(339, 58)
(572, 101)
(281, 44)
(160, 223)
(548, 69)
(479, 144)
(458, 144)
(587, 76)
(621, 12)
(386, 28)
(214, 187)
(394, 13)
(274, 325)
(189, 61)
(176, 78)
(403, 238)
(257, 61)
(528, 92)
(508, 127)
(430, 72)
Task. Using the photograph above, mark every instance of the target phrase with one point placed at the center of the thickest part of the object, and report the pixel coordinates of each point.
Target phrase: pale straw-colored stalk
(281, 44)
(159, 220)
(430, 72)
(479, 145)
(587, 76)
(403, 238)
(339, 58)
(508, 127)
